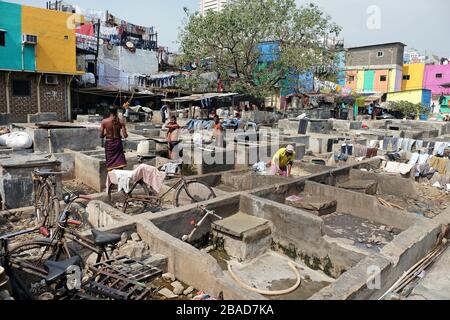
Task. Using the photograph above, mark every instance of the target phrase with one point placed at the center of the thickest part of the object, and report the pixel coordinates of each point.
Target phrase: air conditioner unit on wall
(51, 79)
(29, 39)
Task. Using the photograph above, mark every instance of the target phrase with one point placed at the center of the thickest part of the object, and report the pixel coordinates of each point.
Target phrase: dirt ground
(77, 187)
(429, 204)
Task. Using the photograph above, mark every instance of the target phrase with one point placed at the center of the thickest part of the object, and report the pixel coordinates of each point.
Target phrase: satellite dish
(130, 45)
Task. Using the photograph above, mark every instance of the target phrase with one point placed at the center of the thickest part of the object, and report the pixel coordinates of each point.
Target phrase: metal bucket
(4, 281)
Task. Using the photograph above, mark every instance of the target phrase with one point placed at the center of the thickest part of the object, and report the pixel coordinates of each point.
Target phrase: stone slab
(363, 186)
(239, 224)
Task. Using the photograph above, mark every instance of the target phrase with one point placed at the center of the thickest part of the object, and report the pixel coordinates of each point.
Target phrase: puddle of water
(222, 258)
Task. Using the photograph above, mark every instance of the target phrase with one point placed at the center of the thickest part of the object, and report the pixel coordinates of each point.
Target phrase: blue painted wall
(297, 83)
(426, 98)
(269, 51)
(11, 21)
(340, 64)
(294, 82)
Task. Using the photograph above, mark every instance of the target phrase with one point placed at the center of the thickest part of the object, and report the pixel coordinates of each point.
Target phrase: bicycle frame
(182, 180)
(62, 234)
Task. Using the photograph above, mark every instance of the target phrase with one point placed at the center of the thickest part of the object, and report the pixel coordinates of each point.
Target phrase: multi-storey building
(214, 5)
(375, 68)
(37, 62)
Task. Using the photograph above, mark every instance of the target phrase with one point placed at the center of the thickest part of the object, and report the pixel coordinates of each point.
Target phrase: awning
(114, 93)
(445, 85)
(199, 97)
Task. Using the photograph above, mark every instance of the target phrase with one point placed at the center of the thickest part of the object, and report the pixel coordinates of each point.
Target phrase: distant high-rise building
(214, 5)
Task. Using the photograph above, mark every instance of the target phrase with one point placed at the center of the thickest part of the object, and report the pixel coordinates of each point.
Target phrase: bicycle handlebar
(17, 234)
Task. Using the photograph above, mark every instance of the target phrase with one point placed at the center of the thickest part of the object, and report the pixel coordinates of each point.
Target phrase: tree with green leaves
(226, 42)
(409, 109)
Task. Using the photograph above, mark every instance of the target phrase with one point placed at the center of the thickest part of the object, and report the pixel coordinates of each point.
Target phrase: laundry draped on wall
(128, 27)
(120, 69)
(157, 80)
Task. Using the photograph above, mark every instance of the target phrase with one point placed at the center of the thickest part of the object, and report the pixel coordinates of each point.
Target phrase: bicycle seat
(57, 269)
(104, 238)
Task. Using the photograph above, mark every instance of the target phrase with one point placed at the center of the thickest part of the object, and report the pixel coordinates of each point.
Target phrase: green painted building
(12, 55)
(445, 105)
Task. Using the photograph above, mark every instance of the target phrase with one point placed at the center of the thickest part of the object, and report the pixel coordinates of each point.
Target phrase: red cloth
(86, 29)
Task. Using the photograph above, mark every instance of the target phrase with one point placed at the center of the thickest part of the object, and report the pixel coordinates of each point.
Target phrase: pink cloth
(150, 175)
(274, 171)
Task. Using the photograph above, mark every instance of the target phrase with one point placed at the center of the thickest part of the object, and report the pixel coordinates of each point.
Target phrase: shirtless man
(113, 129)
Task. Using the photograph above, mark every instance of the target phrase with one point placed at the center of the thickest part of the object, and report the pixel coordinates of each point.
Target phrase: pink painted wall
(432, 83)
(351, 84)
(381, 86)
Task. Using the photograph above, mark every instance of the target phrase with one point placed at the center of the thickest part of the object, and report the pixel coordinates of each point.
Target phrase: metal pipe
(38, 89)
(69, 99)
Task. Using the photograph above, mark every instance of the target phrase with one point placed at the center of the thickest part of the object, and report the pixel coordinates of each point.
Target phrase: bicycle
(46, 201)
(30, 266)
(187, 191)
(50, 258)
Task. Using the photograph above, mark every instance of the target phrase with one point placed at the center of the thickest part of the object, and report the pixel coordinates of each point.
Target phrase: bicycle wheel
(115, 197)
(41, 200)
(46, 205)
(26, 264)
(193, 192)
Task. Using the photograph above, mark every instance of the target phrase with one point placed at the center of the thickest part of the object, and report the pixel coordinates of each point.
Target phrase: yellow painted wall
(392, 75)
(414, 96)
(54, 53)
(360, 81)
(416, 72)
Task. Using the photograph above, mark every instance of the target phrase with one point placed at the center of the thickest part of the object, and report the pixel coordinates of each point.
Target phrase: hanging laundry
(423, 158)
(414, 159)
(360, 151)
(395, 143)
(347, 149)
(440, 164)
(372, 152)
(419, 144)
(86, 29)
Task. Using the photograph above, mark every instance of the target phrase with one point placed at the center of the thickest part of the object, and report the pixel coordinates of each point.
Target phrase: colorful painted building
(435, 76)
(375, 68)
(444, 103)
(416, 96)
(413, 76)
(37, 62)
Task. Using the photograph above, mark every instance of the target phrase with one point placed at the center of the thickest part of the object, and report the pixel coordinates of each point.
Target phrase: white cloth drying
(396, 167)
(123, 180)
(415, 157)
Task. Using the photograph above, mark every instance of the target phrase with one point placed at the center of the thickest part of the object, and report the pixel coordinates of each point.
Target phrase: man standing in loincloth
(113, 129)
(173, 137)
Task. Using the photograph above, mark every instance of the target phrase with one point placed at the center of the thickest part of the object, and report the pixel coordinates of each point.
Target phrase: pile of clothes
(15, 140)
